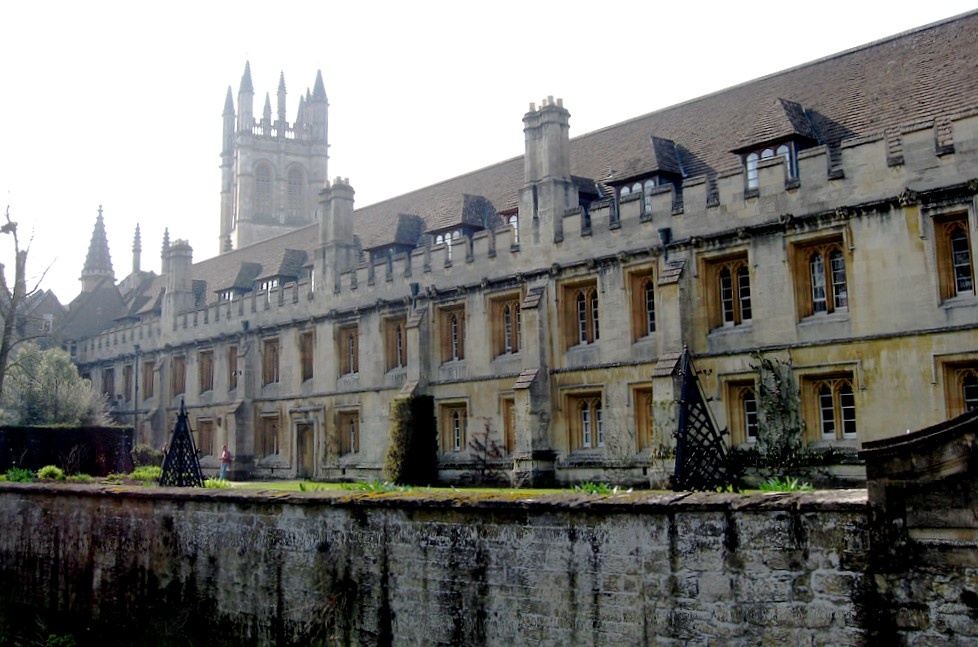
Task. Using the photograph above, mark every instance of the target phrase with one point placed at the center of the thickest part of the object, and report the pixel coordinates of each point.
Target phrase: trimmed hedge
(412, 456)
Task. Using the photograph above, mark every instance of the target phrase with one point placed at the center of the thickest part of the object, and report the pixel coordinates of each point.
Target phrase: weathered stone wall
(153, 566)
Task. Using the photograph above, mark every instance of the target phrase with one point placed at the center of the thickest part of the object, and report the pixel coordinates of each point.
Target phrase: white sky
(119, 103)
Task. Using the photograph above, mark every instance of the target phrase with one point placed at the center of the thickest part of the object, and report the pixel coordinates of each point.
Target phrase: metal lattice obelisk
(181, 467)
(701, 454)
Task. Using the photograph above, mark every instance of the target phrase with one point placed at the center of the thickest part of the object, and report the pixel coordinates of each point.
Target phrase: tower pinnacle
(98, 263)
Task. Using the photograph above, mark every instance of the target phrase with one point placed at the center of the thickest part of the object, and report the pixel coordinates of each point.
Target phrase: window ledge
(737, 329)
(961, 301)
(821, 317)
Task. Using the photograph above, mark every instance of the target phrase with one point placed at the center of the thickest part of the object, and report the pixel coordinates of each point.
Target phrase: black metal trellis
(701, 454)
(181, 467)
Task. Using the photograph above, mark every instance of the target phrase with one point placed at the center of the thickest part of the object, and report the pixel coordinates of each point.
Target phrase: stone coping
(854, 500)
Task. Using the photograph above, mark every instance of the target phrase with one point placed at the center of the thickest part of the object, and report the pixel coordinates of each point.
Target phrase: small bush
(589, 487)
(147, 473)
(220, 484)
(145, 455)
(20, 475)
(784, 484)
(78, 478)
(52, 472)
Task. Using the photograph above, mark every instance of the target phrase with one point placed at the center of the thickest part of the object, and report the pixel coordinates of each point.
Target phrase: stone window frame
(395, 342)
(819, 291)
(642, 301)
(348, 431)
(752, 160)
(148, 378)
(644, 187)
(581, 312)
(205, 370)
(178, 374)
(960, 386)
(127, 381)
(506, 323)
(204, 439)
(307, 347)
(295, 183)
(268, 441)
(743, 409)
(108, 382)
(271, 356)
(451, 332)
(232, 359)
(453, 418)
(584, 414)
(507, 412)
(264, 192)
(728, 289)
(643, 409)
(829, 406)
(348, 348)
(955, 256)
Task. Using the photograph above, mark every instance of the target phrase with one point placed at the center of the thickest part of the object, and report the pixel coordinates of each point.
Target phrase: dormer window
(225, 295)
(446, 239)
(267, 284)
(643, 187)
(787, 151)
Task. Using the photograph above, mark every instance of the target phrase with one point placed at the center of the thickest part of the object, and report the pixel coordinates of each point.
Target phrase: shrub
(589, 487)
(147, 473)
(20, 475)
(146, 455)
(51, 472)
(219, 483)
(412, 456)
(78, 478)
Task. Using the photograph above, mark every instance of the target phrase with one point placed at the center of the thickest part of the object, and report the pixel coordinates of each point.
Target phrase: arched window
(836, 408)
(399, 348)
(294, 210)
(514, 222)
(969, 390)
(456, 430)
(647, 188)
(581, 323)
(456, 338)
(649, 293)
(730, 305)
(961, 262)
(752, 160)
(589, 425)
(263, 192)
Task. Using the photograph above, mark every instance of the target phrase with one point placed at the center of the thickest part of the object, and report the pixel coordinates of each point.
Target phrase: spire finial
(98, 262)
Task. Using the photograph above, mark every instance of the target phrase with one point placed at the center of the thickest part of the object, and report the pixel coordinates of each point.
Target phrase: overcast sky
(120, 104)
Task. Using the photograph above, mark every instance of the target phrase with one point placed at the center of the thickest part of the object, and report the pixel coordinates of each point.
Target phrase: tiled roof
(925, 74)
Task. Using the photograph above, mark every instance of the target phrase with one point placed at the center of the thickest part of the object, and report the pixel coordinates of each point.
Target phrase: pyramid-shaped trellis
(701, 454)
(181, 467)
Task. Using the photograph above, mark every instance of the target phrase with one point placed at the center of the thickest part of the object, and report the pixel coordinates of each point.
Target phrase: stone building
(824, 215)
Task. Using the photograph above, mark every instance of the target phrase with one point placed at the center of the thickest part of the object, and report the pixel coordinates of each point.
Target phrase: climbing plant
(780, 429)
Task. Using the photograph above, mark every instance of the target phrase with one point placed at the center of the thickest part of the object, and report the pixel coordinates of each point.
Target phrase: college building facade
(824, 216)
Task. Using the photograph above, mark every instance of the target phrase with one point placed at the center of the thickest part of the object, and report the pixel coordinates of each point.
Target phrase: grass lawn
(316, 486)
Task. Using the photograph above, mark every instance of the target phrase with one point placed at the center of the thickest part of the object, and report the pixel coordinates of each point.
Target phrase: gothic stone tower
(271, 170)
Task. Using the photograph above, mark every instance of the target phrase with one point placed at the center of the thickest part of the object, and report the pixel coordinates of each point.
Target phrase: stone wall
(228, 567)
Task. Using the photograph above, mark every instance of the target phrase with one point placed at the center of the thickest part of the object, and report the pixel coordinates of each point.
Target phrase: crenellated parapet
(936, 163)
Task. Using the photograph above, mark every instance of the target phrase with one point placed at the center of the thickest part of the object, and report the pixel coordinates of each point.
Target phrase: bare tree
(11, 299)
